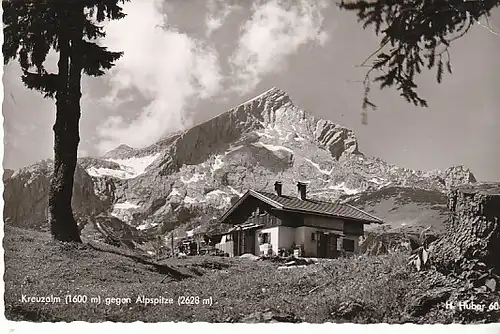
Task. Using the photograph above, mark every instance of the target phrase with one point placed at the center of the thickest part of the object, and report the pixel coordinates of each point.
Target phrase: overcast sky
(187, 61)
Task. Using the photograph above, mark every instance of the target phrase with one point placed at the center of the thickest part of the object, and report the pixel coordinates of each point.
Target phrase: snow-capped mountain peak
(194, 175)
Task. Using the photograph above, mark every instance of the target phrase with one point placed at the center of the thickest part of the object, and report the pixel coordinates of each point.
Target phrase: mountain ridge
(187, 178)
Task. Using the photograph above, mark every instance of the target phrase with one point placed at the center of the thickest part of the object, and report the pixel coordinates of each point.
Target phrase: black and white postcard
(271, 161)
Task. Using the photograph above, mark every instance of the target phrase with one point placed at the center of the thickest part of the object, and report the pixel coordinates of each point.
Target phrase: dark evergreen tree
(72, 28)
(415, 34)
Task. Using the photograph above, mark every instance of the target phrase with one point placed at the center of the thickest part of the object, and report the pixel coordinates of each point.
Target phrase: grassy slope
(396, 204)
(383, 285)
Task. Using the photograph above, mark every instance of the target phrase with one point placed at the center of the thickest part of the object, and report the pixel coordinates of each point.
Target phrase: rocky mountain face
(186, 180)
(26, 195)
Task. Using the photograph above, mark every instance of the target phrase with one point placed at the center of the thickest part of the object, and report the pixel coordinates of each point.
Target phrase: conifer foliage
(71, 28)
(416, 34)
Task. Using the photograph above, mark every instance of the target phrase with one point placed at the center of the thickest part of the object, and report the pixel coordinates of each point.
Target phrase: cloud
(275, 31)
(168, 68)
(171, 70)
(83, 152)
(218, 11)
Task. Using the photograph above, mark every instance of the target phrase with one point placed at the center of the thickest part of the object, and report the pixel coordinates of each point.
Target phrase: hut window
(313, 236)
(348, 245)
(264, 238)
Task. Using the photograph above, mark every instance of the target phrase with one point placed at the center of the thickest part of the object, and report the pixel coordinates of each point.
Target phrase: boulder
(270, 316)
(249, 256)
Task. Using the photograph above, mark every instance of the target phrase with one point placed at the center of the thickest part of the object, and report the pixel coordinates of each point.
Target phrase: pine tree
(72, 28)
(416, 34)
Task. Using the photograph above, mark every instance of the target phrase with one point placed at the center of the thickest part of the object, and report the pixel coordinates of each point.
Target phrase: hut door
(250, 242)
(322, 245)
(332, 246)
(243, 242)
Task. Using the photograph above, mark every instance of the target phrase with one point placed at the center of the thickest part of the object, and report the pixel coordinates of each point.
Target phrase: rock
(337, 140)
(269, 316)
(422, 304)
(458, 175)
(292, 267)
(230, 320)
(491, 284)
(249, 256)
(120, 152)
(348, 310)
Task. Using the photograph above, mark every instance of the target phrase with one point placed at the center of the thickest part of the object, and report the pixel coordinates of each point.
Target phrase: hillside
(188, 179)
(406, 208)
(366, 289)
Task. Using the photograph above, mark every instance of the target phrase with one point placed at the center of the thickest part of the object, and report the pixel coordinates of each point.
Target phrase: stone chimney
(278, 187)
(301, 190)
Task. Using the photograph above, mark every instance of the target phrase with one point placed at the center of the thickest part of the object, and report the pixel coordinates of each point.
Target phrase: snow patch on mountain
(323, 171)
(234, 191)
(273, 147)
(287, 137)
(129, 168)
(344, 188)
(147, 226)
(121, 210)
(264, 134)
(299, 138)
(232, 149)
(194, 178)
(220, 197)
(100, 172)
(125, 206)
(376, 180)
(174, 192)
(216, 193)
(136, 165)
(226, 203)
(218, 163)
(190, 233)
(191, 200)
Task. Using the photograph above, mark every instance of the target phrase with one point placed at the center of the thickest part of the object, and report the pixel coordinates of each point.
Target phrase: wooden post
(239, 243)
(172, 243)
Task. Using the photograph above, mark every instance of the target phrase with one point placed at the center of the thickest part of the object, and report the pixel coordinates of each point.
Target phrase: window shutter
(340, 242)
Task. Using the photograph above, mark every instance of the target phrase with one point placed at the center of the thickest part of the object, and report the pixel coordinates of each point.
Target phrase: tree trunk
(66, 138)
(473, 231)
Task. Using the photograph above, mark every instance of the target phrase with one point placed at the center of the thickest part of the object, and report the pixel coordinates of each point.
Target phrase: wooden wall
(324, 222)
(353, 227)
